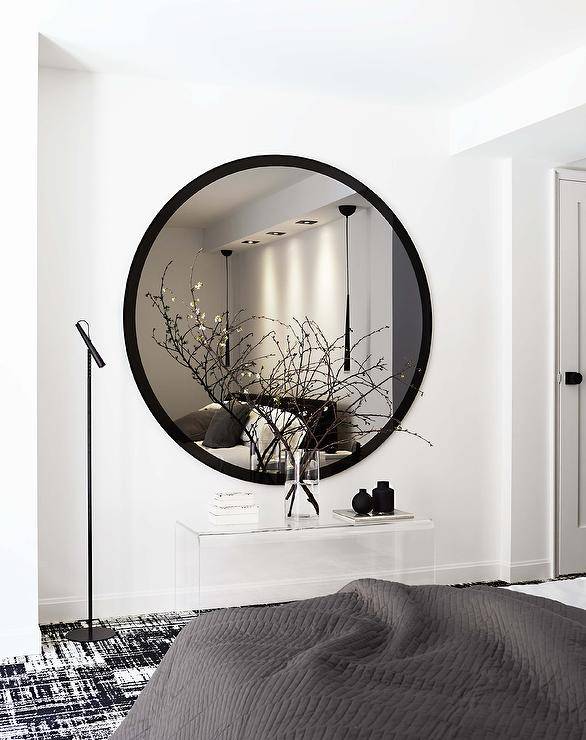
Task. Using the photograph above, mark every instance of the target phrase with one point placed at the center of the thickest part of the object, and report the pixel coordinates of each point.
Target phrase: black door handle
(573, 378)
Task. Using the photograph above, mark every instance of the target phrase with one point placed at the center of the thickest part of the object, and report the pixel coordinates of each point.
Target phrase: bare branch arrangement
(289, 374)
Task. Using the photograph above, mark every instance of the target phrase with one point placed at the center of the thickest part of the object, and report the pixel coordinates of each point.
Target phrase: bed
(238, 455)
(375, 660)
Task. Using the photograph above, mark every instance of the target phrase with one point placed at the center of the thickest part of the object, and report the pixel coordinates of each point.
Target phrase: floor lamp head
(86, 338)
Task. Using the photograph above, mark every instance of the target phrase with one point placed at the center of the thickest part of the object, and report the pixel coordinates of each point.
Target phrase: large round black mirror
(276, 302)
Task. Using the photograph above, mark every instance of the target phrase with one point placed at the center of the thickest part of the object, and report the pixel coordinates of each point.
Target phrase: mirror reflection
(278, 310)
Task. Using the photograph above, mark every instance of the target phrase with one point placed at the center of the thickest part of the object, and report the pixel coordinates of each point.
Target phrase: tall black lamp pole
(347, 211)
(89, 633)
(227, 253)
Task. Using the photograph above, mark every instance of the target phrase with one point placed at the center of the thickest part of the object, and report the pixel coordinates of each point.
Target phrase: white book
(232, 494)
(230, 509)
(233, 519)
(234, 497)
(225, 499)
(236, 502)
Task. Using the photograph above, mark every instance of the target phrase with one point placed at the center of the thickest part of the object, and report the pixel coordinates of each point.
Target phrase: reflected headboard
(322, 418)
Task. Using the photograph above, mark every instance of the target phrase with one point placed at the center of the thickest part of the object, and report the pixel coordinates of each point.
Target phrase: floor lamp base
(90, 634)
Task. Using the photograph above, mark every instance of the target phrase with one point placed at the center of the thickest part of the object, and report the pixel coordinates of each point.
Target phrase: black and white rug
(78, 691)
(83, 691)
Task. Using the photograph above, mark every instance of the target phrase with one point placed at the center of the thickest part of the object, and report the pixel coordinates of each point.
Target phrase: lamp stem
(89, 633)
(89, 496)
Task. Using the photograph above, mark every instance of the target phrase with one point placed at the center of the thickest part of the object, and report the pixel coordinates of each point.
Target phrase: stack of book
(233, 508)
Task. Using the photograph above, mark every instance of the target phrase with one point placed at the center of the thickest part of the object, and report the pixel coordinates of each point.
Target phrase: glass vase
(302, 485)
(266, 460)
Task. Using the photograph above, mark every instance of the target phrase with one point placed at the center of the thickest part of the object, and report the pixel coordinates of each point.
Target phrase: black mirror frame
(131, 295)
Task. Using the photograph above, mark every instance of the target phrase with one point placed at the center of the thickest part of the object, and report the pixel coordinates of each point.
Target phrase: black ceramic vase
(362, 502)
(383, 498)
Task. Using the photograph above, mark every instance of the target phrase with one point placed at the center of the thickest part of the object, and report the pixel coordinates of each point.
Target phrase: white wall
(19, 633)
(529, 368)
(534, 124)
(112, 151)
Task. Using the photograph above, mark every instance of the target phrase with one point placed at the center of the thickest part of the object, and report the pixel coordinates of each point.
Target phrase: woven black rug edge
(501, 584)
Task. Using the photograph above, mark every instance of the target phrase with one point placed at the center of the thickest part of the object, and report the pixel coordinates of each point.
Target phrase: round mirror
(277, 303)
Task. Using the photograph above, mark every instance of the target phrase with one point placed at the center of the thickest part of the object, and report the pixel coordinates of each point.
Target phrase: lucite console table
(269, 562)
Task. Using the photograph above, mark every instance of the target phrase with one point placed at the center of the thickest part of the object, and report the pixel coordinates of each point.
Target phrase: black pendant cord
(227, 253)
(347, 260)
(347, 211)
(347, 326)
(89, 633)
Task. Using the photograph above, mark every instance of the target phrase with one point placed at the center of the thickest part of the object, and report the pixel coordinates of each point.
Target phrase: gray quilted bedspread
(375, 660)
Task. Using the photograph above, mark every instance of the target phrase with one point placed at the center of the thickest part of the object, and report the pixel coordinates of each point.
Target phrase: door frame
(577, 176)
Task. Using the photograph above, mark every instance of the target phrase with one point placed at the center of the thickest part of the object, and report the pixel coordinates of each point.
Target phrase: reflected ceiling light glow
(276, 233)
(269, 283)
(306, 221)
(249, 241)
(294, 293)
(326, 292)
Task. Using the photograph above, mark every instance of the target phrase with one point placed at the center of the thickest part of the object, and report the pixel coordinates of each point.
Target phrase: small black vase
(383, 498)
(362, 502)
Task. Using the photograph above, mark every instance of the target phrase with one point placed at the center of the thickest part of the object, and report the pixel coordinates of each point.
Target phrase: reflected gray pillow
(224, 429)
(195, 425)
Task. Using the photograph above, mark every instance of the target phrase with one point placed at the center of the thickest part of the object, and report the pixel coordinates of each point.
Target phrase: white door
(571, 508)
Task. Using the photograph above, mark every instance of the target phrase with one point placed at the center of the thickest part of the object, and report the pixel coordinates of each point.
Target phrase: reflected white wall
(172, 384)
(305, 275)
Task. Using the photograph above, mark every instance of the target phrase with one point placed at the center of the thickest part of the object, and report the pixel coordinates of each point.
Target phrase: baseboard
(68, 609)
(19, 643)
(450, 573)
(526, 570)
(71, 608)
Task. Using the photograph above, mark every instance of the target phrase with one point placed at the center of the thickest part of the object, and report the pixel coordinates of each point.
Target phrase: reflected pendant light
(227, 253)
(347, 211)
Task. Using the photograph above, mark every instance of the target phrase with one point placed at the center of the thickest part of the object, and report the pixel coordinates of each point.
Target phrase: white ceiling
(407, 51)
(231, 192)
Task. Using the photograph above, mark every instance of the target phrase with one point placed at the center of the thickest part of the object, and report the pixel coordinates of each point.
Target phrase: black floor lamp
(89, 633)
